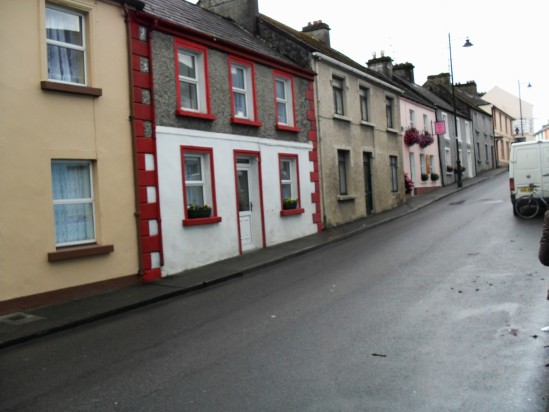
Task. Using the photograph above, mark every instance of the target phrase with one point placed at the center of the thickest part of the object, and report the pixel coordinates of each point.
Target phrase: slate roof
(411, 92)
(313, 44)
(190, 15)
(439, 90)
(426, 94)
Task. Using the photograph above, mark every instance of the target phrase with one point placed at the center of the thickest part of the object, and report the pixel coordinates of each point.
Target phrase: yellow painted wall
(37, 126)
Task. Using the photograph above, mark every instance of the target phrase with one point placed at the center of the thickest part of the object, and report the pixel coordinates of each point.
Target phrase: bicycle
(530, 205)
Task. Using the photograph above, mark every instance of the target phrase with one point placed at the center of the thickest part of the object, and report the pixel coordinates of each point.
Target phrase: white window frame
(412, 165)
(412, 118)
(292, 179)
(426, 122)
(423, 163)
(83, 49)
(467, 132)
(246, 91)
(432, 164)
(448, 159)
(199, 81)
(76, 201)
(446, 130)
(284, 102)
(204, 182)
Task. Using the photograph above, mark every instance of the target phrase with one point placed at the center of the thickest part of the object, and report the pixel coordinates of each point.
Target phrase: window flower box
(198, 212)
(289, 204)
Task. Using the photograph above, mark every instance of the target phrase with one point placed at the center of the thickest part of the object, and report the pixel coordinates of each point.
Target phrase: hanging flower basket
(408, 184)
(412, 136)
(426, 139)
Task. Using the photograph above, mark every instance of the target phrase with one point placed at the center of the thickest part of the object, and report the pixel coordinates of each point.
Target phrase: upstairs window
(337, 87)
(192, 80)
(66, 45)
(445, 120)
(412, 118)
(389, 112)
(243, 92)
(284, 98)
(364, 102)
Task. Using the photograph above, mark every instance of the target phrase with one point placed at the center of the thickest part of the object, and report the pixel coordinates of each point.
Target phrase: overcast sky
(510, 39)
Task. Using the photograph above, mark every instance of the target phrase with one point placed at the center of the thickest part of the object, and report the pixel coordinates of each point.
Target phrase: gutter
(360, 73)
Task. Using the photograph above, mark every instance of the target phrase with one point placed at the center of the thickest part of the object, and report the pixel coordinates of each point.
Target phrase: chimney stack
(405, 70)
(319, 31)
(470, 87)
(442, 79)
(242, 12)
(383, 64)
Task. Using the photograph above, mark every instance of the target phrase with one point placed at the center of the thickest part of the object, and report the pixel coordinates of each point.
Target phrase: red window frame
(238, 120)
(204, 52)
(292, 128)
(299, 210)
(214, 218)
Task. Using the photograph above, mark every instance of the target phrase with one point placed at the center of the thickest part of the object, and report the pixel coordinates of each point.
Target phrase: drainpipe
(319, 148)
(137, 213)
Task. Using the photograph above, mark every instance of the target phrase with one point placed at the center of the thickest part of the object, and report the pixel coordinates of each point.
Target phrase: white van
(529, 163)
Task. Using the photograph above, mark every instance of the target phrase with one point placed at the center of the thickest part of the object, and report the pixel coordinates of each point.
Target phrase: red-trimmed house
(225, 137)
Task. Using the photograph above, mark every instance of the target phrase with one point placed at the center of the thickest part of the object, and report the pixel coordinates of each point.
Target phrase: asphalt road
(438, 311)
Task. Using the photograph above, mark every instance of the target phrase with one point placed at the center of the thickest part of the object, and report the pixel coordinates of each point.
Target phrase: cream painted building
(67, 219)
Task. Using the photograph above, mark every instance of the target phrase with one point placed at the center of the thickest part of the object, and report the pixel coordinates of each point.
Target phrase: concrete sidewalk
(20, 327)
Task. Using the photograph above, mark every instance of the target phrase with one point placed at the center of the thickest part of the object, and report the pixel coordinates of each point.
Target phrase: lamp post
(458, 160)
(520, 107)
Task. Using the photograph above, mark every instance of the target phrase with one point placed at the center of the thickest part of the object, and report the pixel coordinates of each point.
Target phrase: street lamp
(520, 107)
(458, 160)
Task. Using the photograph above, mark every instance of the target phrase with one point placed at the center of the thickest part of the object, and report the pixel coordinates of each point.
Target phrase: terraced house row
(144, 138)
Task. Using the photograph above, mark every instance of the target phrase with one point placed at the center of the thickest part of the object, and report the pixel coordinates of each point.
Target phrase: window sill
(186, 113)
(365, 123)
(391, 130)
(287, 128)
(292, 212)
(202, 221)
(74, 252)
(245, 122)
(346, 198)
(70, 88)
(342, 118)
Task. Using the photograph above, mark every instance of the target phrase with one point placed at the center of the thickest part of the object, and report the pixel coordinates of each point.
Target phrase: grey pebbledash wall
(165, 98)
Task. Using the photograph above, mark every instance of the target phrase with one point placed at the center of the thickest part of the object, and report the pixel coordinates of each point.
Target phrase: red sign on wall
(440, 127)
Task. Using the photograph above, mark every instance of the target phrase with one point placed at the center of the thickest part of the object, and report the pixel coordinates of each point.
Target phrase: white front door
(248, 203)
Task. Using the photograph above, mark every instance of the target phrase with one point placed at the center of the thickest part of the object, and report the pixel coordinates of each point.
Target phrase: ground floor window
(289, 180)
(342, 164)
(394, 173)
(73, 204)
(198, 182)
